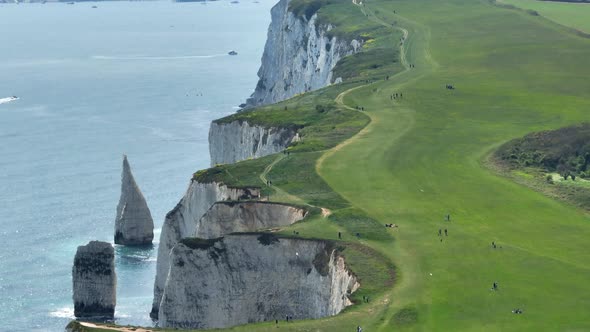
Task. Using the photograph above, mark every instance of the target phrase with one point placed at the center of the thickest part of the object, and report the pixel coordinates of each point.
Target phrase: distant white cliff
(298, 57)
(238, 140)
(252, 278)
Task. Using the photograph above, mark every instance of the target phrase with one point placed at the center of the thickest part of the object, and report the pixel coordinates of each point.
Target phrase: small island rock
(134, 224)
(94, 280)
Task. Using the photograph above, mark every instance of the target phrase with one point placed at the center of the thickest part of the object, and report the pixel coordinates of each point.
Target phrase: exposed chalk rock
(238, 140)
(299, 56)
(233, 217)
(95, 280)
(182, 222)
(134, 224)
(252, 278)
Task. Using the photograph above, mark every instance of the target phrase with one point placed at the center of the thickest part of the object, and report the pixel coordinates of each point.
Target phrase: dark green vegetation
(197, 243)
(306, 8)
(554, 162)
(565, 151)
(421, 157)
(406, 316)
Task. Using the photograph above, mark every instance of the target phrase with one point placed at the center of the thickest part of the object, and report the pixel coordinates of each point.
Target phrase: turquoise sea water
(141, 78)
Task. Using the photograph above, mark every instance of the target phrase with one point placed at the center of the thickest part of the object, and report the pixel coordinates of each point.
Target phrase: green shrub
(406, 316)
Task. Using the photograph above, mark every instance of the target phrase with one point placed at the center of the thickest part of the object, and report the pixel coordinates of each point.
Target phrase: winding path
(386, 128)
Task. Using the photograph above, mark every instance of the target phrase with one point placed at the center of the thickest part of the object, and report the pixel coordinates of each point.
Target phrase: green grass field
(574, 15)
(424, 156)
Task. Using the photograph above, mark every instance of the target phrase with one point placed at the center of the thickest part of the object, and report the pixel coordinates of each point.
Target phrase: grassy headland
(421, 157)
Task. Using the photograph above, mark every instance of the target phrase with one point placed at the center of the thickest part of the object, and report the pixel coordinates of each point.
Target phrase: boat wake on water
(146, 57)
(8, 99)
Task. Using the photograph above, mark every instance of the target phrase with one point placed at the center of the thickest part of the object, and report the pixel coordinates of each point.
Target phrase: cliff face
(182, 222)
(251, 278)
(298, 56)
(94, 280)
(238, 140)
(234, 217)
(134, 224)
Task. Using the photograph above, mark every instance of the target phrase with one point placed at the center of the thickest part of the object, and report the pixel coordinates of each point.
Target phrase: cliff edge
(250, 278)
(182, 222)
(238, 140)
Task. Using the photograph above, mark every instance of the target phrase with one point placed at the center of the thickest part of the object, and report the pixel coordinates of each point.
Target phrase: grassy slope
(574, 15)
(420, 158)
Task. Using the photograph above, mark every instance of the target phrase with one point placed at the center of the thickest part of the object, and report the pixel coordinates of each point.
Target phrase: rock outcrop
(251, 278)
(134, 224)
(299, 56)
(182, 222)
(238, 217)
(94, 280)
(238, 140)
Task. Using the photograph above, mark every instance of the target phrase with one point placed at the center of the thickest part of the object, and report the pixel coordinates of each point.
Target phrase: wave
(146, 57)
(7, 100)
(65, 312)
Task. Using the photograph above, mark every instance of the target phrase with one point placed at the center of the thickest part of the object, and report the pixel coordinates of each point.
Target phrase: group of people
(391, 225)
(440, 230)
(396, 95)
(287, 318)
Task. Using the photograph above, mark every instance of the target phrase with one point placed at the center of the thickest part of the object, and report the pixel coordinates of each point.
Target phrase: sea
(143, 79)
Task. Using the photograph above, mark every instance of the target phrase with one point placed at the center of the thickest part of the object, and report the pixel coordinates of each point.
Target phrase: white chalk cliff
(238, 140)
(252, 278)
(182, 222)
(298, 57)
(134, 224)
(94, 280)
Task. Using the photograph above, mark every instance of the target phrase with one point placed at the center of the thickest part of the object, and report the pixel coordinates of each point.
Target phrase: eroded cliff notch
(238, 217)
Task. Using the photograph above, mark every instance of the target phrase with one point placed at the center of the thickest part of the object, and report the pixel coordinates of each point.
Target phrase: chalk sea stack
(134, 224)
(94, 281)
